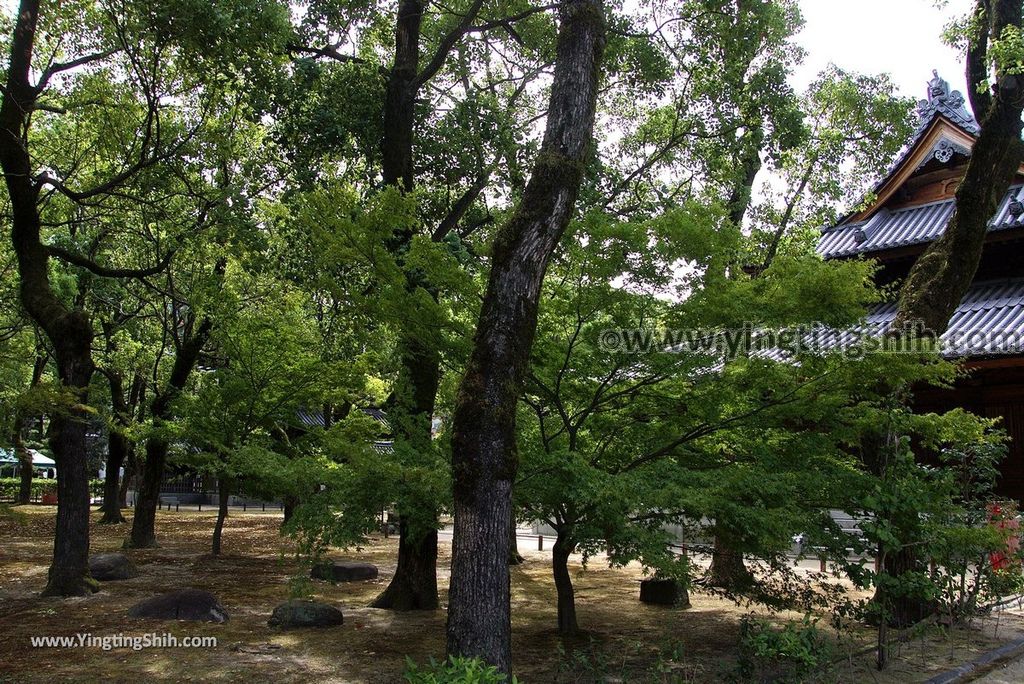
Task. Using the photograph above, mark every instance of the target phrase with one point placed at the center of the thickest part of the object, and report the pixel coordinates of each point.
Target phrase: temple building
(911, 207)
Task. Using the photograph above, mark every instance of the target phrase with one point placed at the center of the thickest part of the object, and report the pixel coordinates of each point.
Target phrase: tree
(68, 328)
(268, 369)
(411, 406)
(483, 429)
(215, 214)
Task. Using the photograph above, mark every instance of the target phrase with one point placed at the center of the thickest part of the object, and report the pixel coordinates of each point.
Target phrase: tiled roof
(942, 103)
(315, 418)
(913, 225)
(952, 107)
(989, 321)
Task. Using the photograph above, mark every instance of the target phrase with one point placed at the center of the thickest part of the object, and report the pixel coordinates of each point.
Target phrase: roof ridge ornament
(949, 103)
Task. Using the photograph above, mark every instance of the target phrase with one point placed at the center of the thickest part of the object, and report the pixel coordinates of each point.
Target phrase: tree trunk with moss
(940, 278)
(484, 459)
(414, 585)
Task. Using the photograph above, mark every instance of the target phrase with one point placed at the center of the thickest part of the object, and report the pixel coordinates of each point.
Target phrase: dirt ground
(625, 641)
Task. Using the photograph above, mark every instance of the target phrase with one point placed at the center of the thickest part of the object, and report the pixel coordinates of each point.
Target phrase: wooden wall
(994, 389)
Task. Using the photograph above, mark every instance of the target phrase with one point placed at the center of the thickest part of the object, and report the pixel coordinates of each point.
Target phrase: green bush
(454, 671)
(10, 486)
(789, 654)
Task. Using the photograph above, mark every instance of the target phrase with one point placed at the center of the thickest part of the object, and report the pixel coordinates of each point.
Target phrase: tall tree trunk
(514, 557)
(727, 569)
(484, 456)
(942, 275)
(400, 102)
(147, 495)
(223, 494)
(118, 446)
(69, 330)
(147, 498)
(414, 584)
(69, 572)
(413, 588)
(25, 466)
(567, 625)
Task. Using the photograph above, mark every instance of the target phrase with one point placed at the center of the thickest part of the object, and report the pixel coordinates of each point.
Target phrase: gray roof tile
(988, 322)
(914, 225)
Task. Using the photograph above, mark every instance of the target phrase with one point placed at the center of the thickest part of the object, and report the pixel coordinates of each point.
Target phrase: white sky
(900, 37)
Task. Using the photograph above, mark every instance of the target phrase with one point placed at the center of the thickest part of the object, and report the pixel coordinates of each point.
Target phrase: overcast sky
(901, 37)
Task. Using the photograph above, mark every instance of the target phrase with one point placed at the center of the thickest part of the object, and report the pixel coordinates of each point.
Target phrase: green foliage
(300, 586)
(454, 670)
(11, 486)
(791, 654)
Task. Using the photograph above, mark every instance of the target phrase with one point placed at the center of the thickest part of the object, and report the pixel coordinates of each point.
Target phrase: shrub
(789, 654)
(10, 486)
(454, 671)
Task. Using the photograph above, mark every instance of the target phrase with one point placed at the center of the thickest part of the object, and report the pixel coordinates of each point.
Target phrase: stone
(184, 604)
(344, 571)
(305, 613)
(106, 567)
(664, 592)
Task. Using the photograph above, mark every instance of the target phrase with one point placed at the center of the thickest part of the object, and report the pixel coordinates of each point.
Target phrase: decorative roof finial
(938, 88)
(943, 100)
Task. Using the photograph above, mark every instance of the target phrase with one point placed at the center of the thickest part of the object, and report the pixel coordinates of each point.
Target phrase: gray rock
(664, 592)
(303, 613)
(185, 604)
(344, 571)
(111, 566)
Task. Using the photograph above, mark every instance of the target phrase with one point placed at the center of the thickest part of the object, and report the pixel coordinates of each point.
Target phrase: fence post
(540, 542)
(243, 507)
(177, 507)
(822, 563)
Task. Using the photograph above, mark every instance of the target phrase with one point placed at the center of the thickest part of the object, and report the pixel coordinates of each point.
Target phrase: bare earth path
(625, 640)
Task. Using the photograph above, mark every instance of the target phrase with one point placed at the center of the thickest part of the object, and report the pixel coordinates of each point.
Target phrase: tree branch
(446, 45)
(57, 67)
(330, 52)
(977, 61)
(104, 272)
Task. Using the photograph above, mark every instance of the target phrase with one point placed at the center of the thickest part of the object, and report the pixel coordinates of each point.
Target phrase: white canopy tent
(43, 465)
